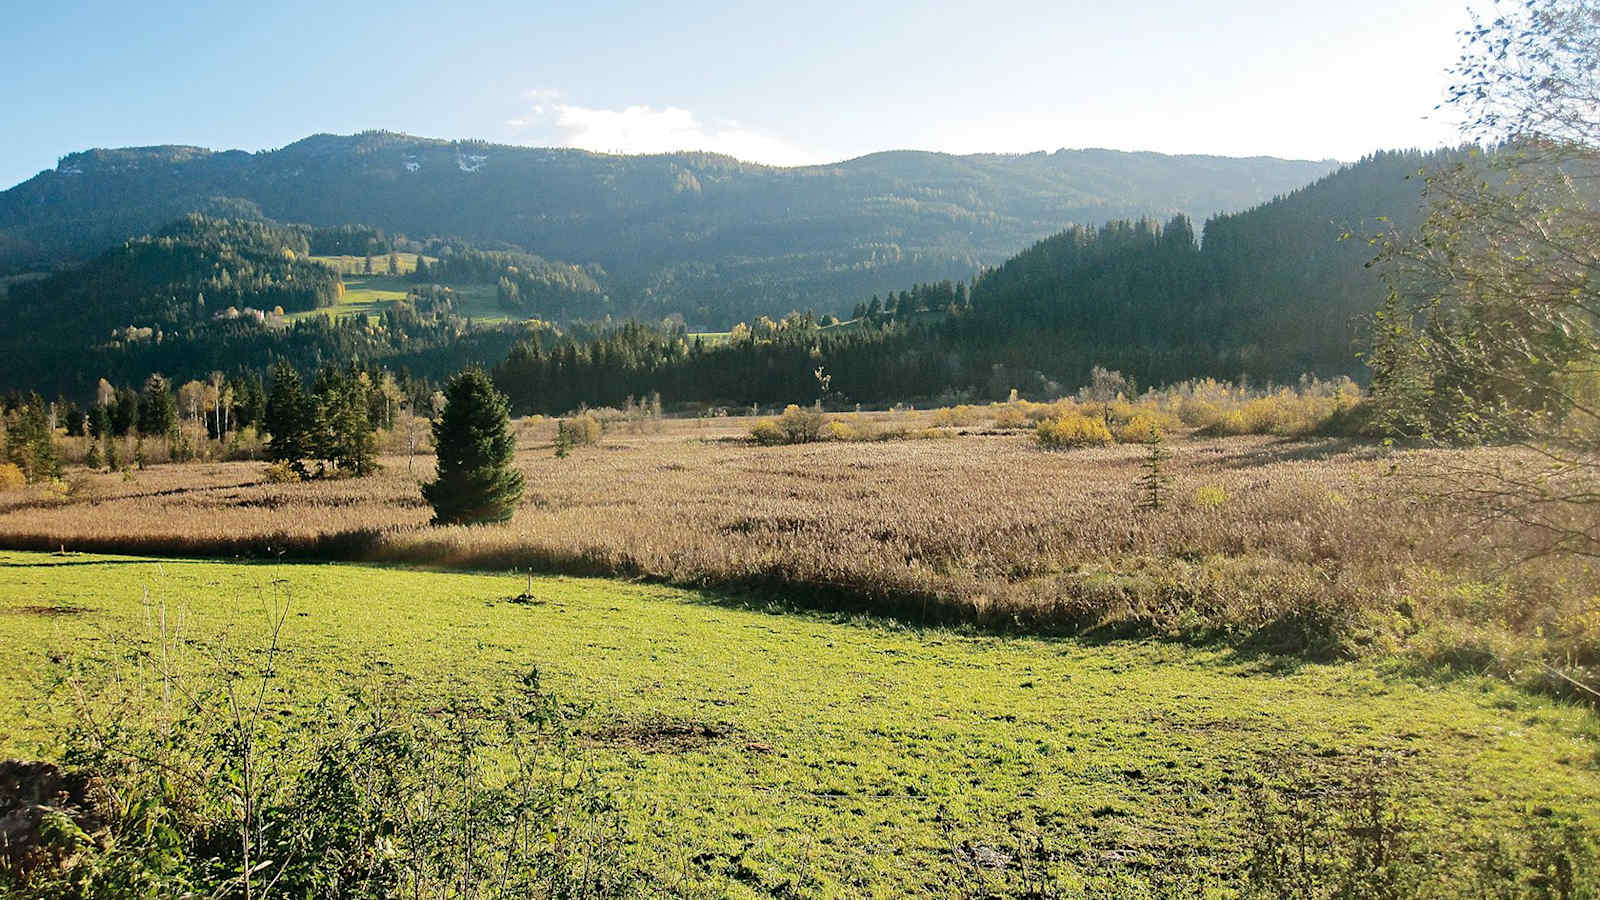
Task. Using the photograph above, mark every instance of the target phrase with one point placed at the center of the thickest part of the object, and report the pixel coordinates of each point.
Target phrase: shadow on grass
(1308, 449)
(1280, 647)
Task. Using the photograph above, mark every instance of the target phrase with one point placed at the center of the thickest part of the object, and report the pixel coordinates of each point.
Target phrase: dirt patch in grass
(47, 610)
(661, 734)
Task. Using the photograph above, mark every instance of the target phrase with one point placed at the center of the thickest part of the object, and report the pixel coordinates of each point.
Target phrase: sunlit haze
(786, 85)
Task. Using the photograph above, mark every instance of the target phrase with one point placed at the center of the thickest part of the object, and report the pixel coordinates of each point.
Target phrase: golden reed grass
(1299, 544)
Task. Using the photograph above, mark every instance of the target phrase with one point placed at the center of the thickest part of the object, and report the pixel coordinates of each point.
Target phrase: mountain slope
(1271, 293)
(707, 236)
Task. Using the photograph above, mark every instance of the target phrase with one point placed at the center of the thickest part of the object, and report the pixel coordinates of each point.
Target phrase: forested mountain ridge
(1271, 293)
(707, 236)
(210, 294)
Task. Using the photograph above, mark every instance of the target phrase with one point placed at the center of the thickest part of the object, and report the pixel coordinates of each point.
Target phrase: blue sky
(788, 84)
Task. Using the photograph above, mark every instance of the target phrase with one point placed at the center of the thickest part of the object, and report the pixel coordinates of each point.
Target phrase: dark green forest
(703, 236)
(203, 295)
(1264, 295)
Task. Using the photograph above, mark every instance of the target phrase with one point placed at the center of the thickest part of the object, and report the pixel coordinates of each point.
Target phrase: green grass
(368, 295)
(857, 755)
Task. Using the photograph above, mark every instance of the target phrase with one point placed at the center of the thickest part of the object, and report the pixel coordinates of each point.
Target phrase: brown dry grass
(1299, 545)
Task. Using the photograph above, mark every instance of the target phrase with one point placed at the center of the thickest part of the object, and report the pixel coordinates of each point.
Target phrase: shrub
(1209, 496)
(956, 417)
(1141, 426)
(798, 426)
(801, 426)
(836, 430)
(767, 433)
(279, 472)
(1069, 431)
(1197, 413)
(579, 431)
(1011, 415)
(11, 477)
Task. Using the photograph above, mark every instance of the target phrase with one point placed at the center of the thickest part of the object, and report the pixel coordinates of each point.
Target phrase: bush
(11, 477)
(579, 431)
(352, 798)
(1074, 430)
(836, 430)
(795, 426)
(956, 417)
(801, 426)
(1197, 413)
(767, 433)
(1011, 416)
(279, 473)
(1141, 427)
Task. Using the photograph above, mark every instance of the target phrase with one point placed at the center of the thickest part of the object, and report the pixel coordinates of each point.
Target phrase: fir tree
(476, 482)
(287, 419)
(158, 412)
(30, 445)
(99, 422)
(1155, 480)
(343, 433)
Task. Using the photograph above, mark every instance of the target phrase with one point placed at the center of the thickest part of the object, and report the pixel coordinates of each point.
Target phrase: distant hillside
(1270, 294)
(706, 236)
(208, 294)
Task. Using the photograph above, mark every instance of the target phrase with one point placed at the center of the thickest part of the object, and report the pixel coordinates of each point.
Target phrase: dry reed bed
(983, 524)
(1299, 545)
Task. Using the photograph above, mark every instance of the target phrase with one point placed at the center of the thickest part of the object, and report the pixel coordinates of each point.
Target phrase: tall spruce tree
(158, 412)
(342, 432)
(476, 482)
(29, 444)
(287, 418)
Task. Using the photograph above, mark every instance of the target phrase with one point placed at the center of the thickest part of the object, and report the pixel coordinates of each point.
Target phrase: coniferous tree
(158, 413)
(99, 422)
(287, 419)
(476, 483)
(342, 433)
(30, 445)
(125, 412)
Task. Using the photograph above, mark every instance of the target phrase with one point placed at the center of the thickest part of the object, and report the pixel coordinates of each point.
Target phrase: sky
(788, 84)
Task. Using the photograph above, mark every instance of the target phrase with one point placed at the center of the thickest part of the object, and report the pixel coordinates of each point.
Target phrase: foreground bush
(1071, 431)
(209, 781)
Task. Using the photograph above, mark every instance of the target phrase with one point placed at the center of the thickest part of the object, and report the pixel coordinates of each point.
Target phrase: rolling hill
(706, 236)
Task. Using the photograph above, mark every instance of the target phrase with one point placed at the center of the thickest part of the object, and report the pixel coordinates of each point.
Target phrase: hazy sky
(797, 82)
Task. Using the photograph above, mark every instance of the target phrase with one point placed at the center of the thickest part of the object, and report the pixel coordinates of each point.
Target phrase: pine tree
(30, 445)
(158, 413)
(287, 419)
(476, 482)
(1153, 483)
(91, 456)
(342, 428)
(99, 422)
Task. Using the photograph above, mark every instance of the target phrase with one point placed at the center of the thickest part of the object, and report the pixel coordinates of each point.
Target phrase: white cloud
(648, 129)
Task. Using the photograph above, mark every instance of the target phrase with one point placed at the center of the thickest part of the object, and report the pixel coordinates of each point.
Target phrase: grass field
(1303, 546)
(368, 295)
(838, 757)
(379, 264)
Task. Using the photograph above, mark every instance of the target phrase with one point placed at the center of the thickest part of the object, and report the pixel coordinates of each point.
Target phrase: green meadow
(367, 295)
(774, 752)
